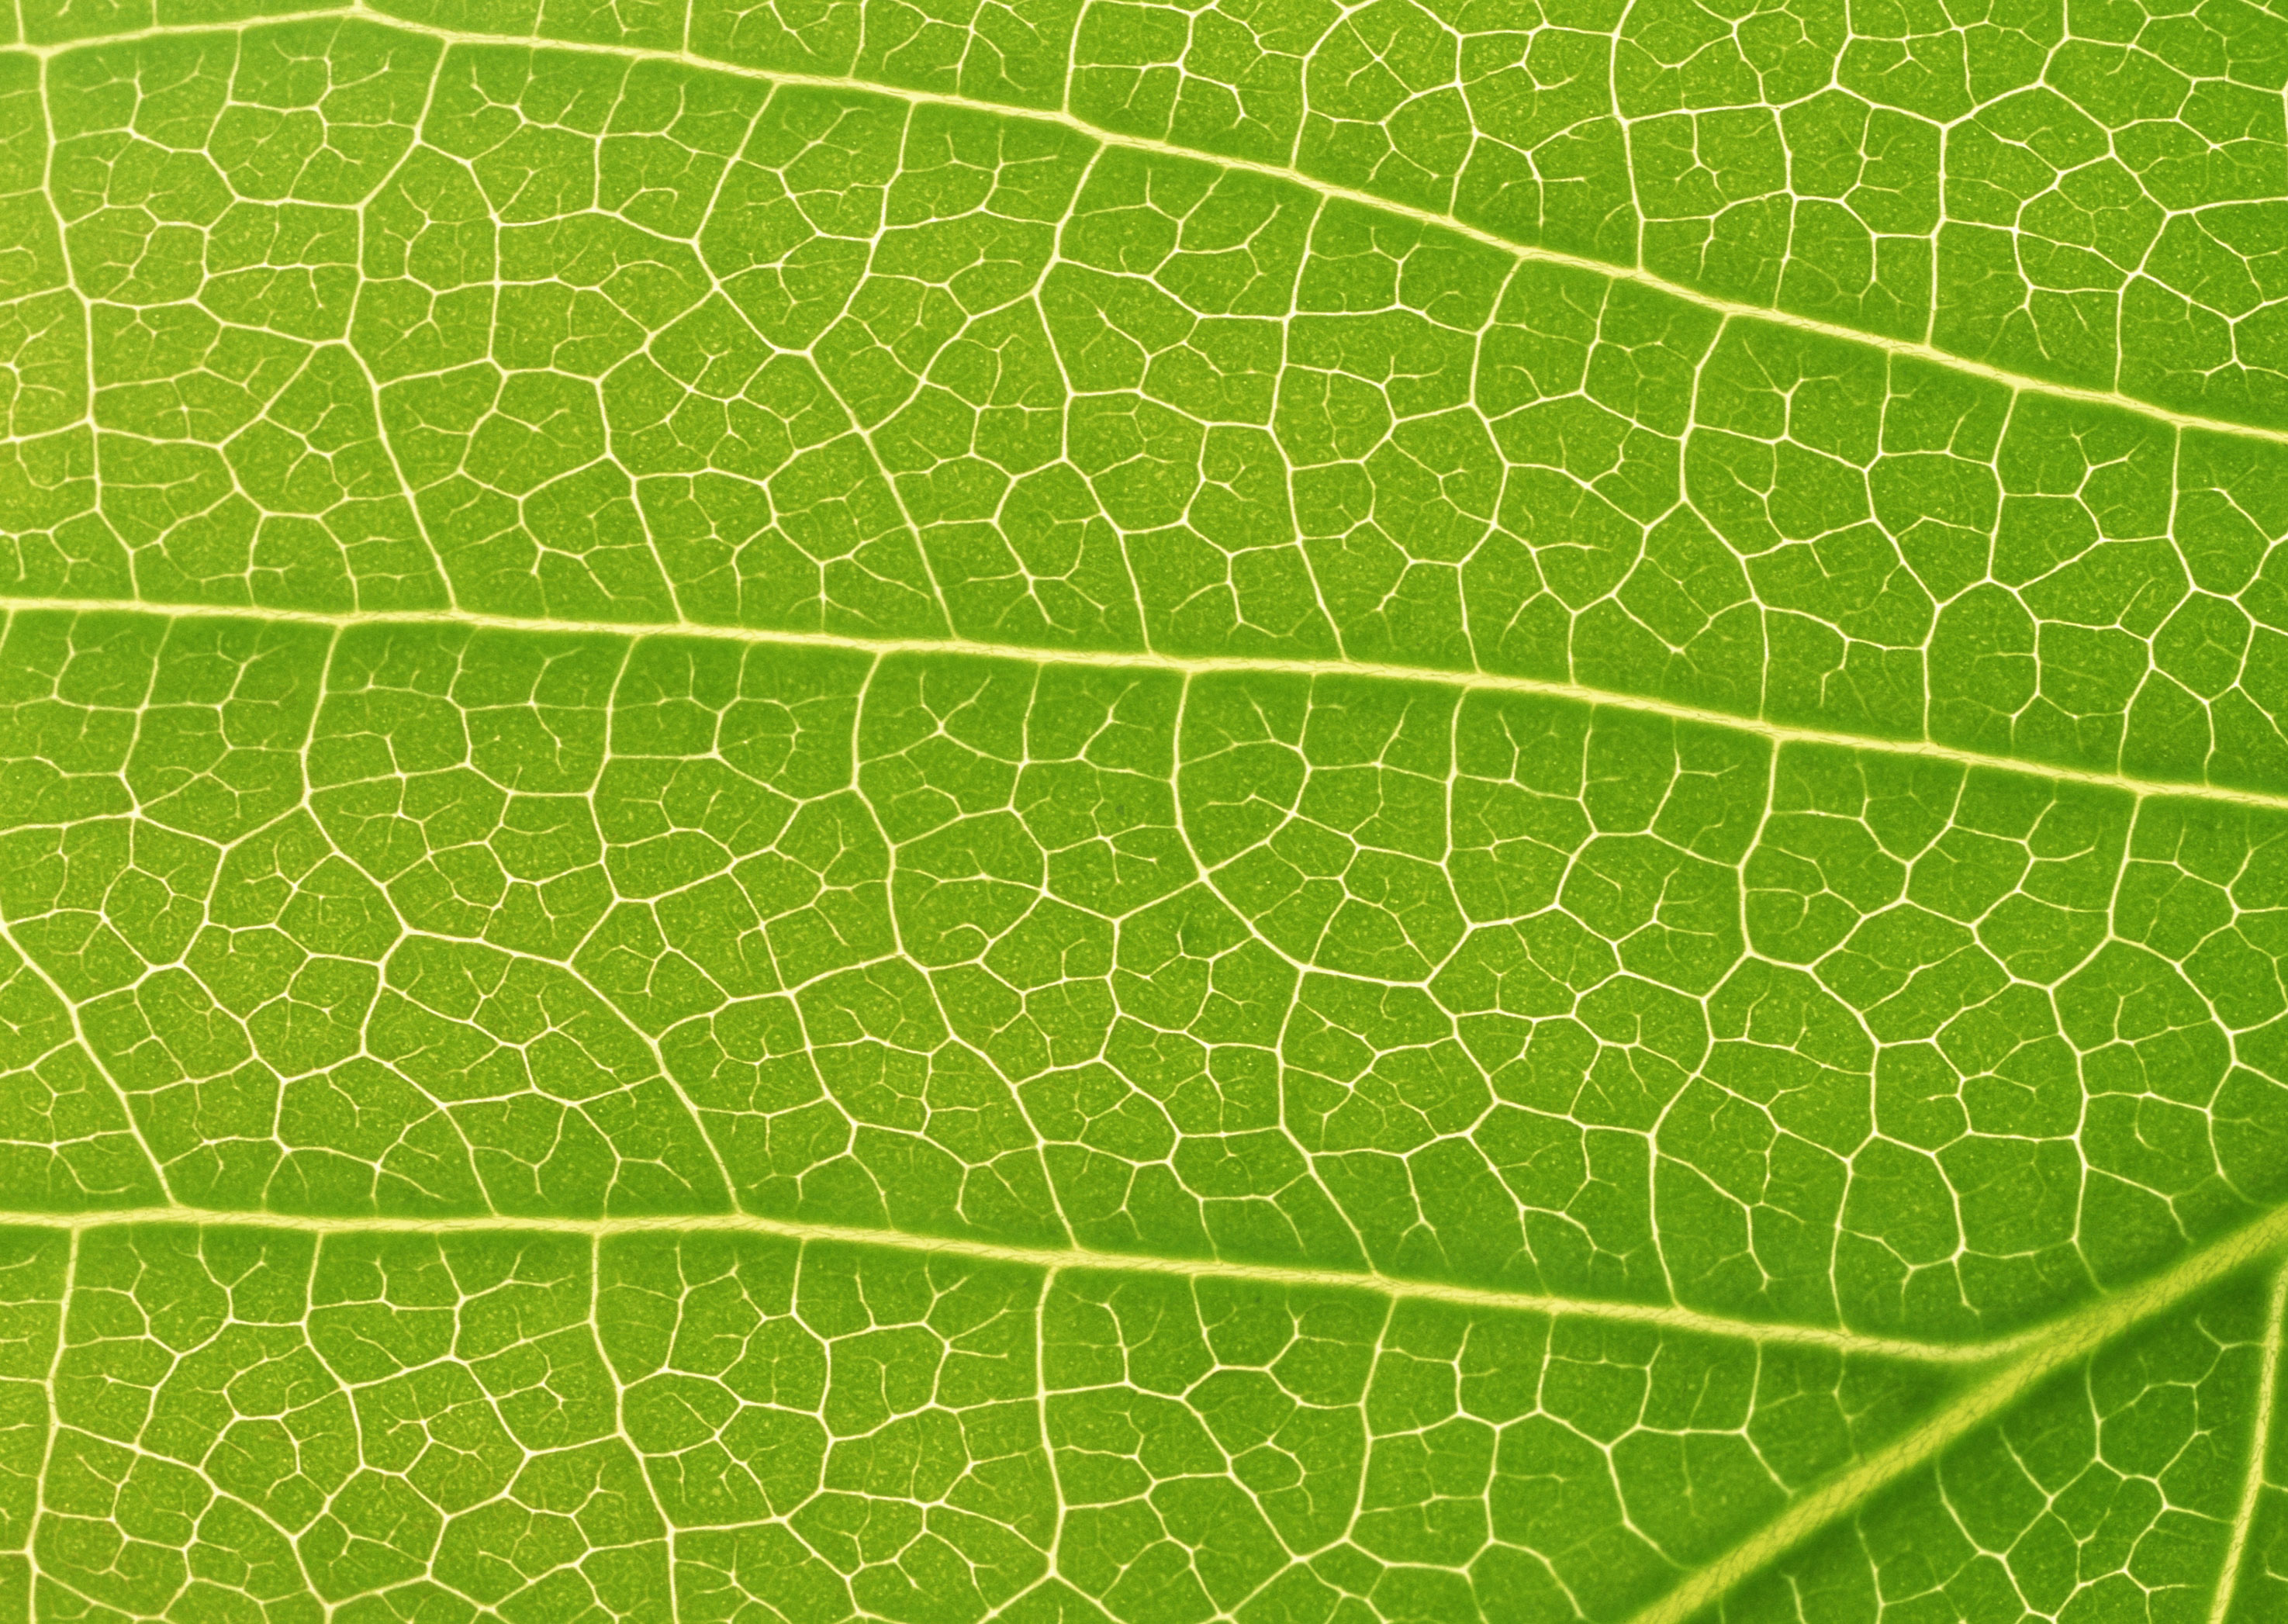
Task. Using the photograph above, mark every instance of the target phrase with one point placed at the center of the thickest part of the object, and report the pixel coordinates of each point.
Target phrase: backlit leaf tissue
(1445, 811)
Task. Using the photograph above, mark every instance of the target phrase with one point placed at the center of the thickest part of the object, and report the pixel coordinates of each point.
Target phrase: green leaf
(1088, 811)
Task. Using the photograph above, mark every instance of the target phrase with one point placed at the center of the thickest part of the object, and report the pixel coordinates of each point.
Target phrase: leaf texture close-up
(1447, 812)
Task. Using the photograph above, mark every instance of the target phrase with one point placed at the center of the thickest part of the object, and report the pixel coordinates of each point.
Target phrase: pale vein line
(1730, 309)
(1053, 1259)
(1778, 732)
(55, 1421)
(2075, 1337)
(2252, 1491)
(71, 1009)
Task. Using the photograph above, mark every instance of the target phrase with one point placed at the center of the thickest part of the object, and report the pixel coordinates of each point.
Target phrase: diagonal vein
(2267, 1397)
(2074, 1337)
(1730, 309)
(1056, 1258)
(1779, 734)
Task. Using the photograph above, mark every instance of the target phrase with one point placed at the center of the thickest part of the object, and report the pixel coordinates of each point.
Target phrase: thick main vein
(1730, 309)
(2076, 1336)
(2016, 1365)
(1779, 734)
(2252, 1487)
(1054, 1259)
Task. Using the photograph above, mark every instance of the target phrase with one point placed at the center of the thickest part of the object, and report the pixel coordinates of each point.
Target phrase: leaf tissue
(1140, 812)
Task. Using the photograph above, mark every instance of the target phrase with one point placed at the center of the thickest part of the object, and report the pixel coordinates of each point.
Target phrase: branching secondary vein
(1728, 308)
(1057, 1258)
(1237, 665)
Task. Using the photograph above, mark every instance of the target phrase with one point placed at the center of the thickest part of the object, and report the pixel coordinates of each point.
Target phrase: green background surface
(1063, 813)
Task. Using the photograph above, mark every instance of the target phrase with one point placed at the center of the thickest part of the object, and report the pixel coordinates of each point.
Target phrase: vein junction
(342, 315)
(1449, 1007)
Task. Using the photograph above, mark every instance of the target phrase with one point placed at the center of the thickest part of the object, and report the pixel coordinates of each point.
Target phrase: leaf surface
(1068, 812)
